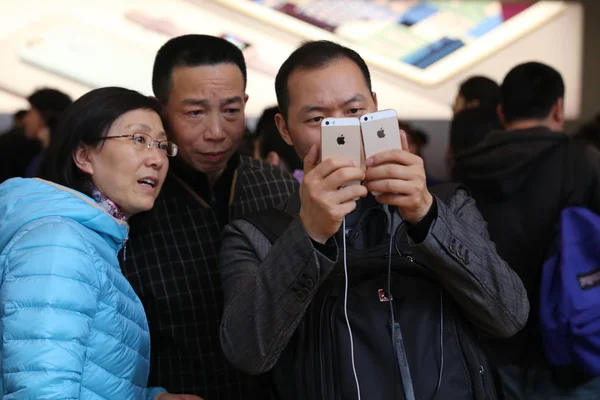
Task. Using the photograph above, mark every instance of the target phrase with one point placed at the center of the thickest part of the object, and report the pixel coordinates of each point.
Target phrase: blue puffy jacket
(71, 325)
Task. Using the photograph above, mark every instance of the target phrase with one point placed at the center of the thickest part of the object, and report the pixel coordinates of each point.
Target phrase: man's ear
(558, 111)
(273, 158)
(500, 113)
(283, 130)
(82, 159)
(375, 99)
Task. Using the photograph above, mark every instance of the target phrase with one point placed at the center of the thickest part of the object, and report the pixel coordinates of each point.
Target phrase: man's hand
(400, 177)
(323, 204)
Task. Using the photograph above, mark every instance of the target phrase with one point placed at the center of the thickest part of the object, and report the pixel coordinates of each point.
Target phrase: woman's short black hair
(86, 122)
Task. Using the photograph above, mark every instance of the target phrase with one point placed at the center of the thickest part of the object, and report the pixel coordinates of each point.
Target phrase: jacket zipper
(486, 394)
(482, 376)
(124, 249)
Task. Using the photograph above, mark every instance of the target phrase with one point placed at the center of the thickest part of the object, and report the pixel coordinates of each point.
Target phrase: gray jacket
(268, 288)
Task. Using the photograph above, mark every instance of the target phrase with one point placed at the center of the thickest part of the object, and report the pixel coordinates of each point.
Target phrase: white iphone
(341, 137)
(380, 131)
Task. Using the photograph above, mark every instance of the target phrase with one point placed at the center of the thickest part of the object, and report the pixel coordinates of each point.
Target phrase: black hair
(313, 55)
(270, 140)
(50, 103)
(482, 89)
(86, 122)
(192, 51)
(529, 91)
(19, 115)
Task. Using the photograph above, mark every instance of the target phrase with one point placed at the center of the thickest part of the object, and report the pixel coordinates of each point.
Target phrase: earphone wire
(346, 309)
(392, 234)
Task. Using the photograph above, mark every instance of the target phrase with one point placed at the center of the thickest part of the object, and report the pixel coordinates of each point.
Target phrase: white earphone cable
(346, 308)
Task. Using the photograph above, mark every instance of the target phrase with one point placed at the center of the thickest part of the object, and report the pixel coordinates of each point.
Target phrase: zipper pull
(124, 249)
(482, 377)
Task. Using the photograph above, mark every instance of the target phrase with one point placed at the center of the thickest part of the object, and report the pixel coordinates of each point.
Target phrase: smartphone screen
(341, 137)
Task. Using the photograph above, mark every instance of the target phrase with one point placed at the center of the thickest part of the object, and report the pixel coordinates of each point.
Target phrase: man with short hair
(275, 310)
(519, 178)
(172, 255)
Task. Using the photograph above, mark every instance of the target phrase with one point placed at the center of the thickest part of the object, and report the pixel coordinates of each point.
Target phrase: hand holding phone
(330, 187)
(399, 178)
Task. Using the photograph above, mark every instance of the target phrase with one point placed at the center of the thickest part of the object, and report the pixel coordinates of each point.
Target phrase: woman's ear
(83, 160)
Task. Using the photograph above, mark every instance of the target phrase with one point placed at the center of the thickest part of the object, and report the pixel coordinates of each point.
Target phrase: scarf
(108, 205)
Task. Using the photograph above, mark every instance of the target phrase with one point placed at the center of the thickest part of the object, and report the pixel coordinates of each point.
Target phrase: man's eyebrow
(232, 100)
(312, 108)
(195, 102)
(353, 99)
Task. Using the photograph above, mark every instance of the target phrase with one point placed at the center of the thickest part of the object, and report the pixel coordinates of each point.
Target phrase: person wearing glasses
(71, 325)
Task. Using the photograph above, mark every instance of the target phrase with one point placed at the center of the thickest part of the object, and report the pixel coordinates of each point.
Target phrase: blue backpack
(570, 292)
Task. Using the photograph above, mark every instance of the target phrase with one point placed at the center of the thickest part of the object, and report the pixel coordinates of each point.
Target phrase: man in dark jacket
(172, 255)
(518, 179)
(269, 290)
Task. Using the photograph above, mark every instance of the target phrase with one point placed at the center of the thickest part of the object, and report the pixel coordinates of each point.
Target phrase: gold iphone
(340, 137)
(380, 132)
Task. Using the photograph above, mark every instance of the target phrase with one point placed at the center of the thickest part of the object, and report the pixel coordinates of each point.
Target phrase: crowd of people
(155, 248)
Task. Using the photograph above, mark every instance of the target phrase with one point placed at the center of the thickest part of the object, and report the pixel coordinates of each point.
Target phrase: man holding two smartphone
(274, 285)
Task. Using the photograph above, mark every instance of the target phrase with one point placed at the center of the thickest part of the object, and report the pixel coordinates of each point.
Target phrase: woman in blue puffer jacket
(71, 325)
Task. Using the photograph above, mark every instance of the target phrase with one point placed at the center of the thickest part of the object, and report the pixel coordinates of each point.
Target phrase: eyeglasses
(141, 140)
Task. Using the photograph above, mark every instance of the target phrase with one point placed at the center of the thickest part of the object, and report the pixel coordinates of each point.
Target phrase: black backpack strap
(575, 167)
(271, 222)
(445, 191)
